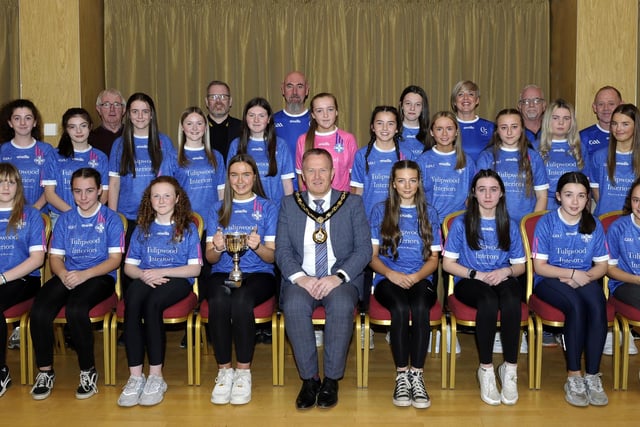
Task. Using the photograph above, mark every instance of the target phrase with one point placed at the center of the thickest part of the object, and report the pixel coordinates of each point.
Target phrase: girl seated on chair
(569, 257)
(244, 209)
(85, 251)
(405, 234)
(484, 251)
(163, 259)
(21, 254)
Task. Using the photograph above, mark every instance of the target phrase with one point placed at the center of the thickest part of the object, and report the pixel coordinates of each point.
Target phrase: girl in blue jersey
(484, 251)
(373, 163)
(414, 119)
(406, 243)
(475, 132)
(569, 257)
(623, 239)
(20, 122)
(258, 139)
(446, 170)
(560, 146)
(163, 259)
(615, 169)
(74, 152)
(520, 167)
(85, 251)
(22, 248)
(244, 209)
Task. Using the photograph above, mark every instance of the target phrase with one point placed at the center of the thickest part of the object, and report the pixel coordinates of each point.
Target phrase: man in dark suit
(222, 127)
(321, 254)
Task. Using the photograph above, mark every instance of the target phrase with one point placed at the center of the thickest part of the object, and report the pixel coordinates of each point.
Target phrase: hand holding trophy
(236, 244)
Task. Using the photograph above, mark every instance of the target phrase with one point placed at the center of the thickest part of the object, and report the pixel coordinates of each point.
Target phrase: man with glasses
(532, 105)
(222, 127)
(110, 107)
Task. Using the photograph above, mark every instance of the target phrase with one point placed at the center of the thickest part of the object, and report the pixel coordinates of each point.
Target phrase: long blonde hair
(573, 136)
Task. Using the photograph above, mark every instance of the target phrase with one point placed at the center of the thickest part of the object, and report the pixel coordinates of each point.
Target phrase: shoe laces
(403, 384)
(43, 379)
(225, 377)
(417, 384)
(576, 385)
(133, 385)
(488, 380)
(241, 379)
(593, 382)
(153, 384)
(87, 380)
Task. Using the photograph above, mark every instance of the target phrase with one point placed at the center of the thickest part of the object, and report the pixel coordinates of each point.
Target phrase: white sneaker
(221, 393)
(488, 388)
(319, 337)
(371, 345)
(153, 392)
(458, 349)
(131, 391)
(241, 389)
(437, 342)
(387, 338)
(524, 346)
(509, 380)
(608, 345)
(497, 343)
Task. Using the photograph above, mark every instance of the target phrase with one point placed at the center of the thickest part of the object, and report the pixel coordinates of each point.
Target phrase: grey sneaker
(14, 339)
(419, 396)
(43, 385)
(576, 392)
(488, 388)
(595, 392)
(88, 384)
(153, 391)
(402, 392)
(221, 393)
(509, 379)
(241, 388)
(131, 391)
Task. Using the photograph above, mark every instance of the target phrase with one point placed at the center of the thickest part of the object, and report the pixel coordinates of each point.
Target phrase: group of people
(327, 223)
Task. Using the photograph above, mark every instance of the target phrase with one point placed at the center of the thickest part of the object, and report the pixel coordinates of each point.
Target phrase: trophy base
(233, 283)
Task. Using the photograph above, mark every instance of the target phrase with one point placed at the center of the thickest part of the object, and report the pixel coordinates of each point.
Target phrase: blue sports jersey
(560, 161)
(562, 246)
(410, 247)
(375, 183)
(85, 242)
(506, 165)
(58, 173)
(410, 143)
(534, 138)
(594, 138)
(288, 128)
(131, 189)
(611, 196)
(257, 148)
(475, 135)
(16, 246)
(446, 188)
(30, 162)
(623, 240)
(246, 215)
(199, 179)
(158, 250)
(490, 257)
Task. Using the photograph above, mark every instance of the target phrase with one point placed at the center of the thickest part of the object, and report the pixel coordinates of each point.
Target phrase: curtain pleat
(363, 51)
(9, 51)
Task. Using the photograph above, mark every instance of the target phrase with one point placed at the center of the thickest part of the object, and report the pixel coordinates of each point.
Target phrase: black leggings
(79, 300)
(628, 293)
(408, 340)
(231, 313)
(11, 294)
(487, 300)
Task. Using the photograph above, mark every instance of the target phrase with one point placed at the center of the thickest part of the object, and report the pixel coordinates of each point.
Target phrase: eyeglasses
(112, 104)
(532, 101)
(218, 97)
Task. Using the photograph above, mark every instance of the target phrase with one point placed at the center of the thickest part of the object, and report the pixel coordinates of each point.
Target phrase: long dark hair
(6, 132)
(224, 213)
(390, 228)
(372, 134)
(525, 173)
(587, 222)
(630, 111)
(423, 119)
(269, 133)
(472, 218)
(310, 137)
(128, 160)
(626, 209)
(65, 145)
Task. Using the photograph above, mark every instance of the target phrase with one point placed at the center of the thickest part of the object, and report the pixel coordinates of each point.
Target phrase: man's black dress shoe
(308, 393)
(328, 394)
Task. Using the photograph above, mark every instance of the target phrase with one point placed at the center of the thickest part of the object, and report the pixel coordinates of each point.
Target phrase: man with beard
(532, 105)
(222, 127)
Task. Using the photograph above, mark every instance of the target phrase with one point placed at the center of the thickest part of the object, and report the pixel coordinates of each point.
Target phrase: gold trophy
(236, 245)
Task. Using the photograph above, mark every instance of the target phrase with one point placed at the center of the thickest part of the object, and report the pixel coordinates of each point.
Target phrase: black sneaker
(402, 391)
(266, 336)
(183, 341)
(88, 384)
(5, 380)
(259, 336)
(43, 385)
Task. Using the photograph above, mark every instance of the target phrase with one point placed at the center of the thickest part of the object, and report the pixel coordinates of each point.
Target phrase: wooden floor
(190, 406)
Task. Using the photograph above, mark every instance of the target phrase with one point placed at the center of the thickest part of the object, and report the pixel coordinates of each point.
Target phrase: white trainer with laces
(241, 389)
(221, 394)
(488, 388)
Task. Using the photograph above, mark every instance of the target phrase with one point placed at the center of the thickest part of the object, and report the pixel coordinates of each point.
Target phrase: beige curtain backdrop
(363, 51)
(9, 51)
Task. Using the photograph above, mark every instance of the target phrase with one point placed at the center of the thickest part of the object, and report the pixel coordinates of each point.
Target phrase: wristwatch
(342, 277)
(472, 274)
